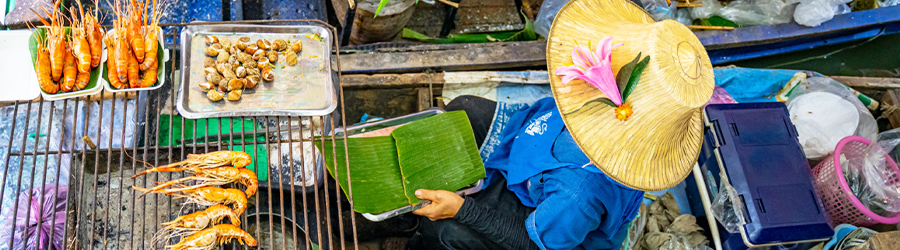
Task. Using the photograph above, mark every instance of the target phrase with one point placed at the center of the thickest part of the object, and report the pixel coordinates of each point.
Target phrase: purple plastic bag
(49, 233)
(720, 96)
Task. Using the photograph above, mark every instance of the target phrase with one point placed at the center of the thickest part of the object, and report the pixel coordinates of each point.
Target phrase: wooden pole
(701, 27)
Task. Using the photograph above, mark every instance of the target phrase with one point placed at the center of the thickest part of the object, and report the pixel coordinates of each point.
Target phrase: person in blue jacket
(625, 116)
(537, 178)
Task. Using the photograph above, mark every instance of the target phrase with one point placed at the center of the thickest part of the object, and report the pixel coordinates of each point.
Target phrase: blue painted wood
(766, 40)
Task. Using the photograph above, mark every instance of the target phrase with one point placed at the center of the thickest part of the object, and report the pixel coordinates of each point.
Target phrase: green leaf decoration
(603, 100)
(33, 47)
(635, 77)
(437, 153)
(625, 73)
(381, 5)
(438, 159)
(375, 172)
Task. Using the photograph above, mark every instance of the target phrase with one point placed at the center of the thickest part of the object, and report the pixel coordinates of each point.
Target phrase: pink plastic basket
(842, 206)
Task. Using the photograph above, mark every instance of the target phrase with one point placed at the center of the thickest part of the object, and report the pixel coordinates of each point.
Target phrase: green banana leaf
(438, 159)
(437, 153)
(716, 21)
(375, 172)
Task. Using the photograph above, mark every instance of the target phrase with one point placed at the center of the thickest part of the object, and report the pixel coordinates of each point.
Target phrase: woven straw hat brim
(657, 146)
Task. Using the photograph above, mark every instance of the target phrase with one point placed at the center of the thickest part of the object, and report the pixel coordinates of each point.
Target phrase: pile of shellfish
(232, 67)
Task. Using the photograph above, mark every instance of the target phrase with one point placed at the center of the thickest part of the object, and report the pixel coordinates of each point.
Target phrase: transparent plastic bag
(683, 16)
(812, 13)
(727, 207)
(707, 10)
(659, 9)
(546, 14)
(821, 111)
(888, 3)
(867, 177)
(747, 12)
(759, 12)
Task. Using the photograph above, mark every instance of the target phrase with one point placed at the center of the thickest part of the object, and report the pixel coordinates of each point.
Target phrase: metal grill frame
(139, 154)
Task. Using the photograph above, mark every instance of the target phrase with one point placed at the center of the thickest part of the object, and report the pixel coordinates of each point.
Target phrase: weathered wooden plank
(392, 80)
(477, 16)
(523, 77)
(868, 82)
(425, 98)
(424, 79)
(448, 57)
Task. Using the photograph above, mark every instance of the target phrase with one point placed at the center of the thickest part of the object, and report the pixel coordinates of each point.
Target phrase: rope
(888, 110)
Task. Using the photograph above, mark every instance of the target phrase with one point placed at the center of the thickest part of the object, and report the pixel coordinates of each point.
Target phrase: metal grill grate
(101, 209)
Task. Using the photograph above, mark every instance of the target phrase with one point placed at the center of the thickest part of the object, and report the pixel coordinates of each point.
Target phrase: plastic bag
(888, 3)
(720, 96)
(747, 12)
(815, 12)
(824, 111)
(546, 14)
(683, 16)
(726, 206)
(707, 10)
(659, 9)
(760, 12)
(868, 177)
(49, 233)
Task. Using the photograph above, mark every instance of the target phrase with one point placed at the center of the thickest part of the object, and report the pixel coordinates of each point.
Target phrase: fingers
(426, 194)
(425, 211)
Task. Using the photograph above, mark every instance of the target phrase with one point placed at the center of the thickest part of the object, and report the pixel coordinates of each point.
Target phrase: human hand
(444, 204)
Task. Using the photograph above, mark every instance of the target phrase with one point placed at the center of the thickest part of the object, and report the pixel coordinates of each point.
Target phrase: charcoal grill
(101, 210)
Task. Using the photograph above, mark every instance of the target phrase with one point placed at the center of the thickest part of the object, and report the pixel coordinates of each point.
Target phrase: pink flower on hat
(593, 68)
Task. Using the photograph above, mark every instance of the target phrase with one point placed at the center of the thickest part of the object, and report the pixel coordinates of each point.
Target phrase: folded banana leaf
(437, 153)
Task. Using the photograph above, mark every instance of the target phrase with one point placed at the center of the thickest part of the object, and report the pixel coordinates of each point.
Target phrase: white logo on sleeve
(539, 125)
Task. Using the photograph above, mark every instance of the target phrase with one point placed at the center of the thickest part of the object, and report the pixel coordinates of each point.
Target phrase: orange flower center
(623, 112)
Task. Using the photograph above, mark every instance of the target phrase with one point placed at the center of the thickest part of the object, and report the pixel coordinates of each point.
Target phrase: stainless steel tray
(306, 89)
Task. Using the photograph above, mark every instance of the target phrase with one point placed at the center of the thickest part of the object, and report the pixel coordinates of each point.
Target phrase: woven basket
(841, 204)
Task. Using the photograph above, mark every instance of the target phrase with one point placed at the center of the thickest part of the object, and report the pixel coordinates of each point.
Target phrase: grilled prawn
(210, 177)
(208, 238)
(236, 159)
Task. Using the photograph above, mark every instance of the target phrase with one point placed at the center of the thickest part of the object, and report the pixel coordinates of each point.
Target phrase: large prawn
(236, 159)
(81, 48)
(70, 72)
(208, 238)
(211, 176)
(194, 222)
(134, 24)
(208, 196)
(151, 37)
(42, 66)
(122, 52)
(56, 41)
(94, 35)
(134, 75)
(112, 70)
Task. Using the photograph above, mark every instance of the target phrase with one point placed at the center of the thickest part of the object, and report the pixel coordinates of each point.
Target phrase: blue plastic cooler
(756, 145)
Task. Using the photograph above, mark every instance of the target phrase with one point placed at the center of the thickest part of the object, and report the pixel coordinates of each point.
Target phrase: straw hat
(657, 144)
